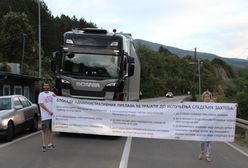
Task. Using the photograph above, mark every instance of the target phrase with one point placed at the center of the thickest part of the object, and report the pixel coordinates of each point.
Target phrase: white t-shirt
(47, 100)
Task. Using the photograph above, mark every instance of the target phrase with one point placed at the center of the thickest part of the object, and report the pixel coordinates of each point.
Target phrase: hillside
(236, 64)
(19, 34)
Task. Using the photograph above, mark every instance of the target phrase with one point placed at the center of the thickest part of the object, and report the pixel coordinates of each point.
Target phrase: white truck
(98, 65)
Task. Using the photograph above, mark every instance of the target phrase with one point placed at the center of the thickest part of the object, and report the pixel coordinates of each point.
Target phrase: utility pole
(23, 50)
(39, 34)
(197, 63)
(199, 72)
(194, 81)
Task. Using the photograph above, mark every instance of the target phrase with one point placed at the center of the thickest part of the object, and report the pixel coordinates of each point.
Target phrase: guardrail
(243, 124)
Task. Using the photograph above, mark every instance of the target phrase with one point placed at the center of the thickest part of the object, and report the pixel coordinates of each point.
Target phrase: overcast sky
(215, 26)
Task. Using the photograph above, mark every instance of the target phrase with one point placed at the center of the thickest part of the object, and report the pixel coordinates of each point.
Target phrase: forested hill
(19, 23)
(52, 28)
(164, 71)
(234, 62)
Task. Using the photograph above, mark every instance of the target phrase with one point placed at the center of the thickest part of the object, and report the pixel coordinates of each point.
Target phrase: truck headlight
(111, 84)
(65, 81)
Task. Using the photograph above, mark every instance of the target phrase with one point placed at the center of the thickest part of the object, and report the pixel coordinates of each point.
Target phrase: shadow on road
(87, 136)
(17, 135)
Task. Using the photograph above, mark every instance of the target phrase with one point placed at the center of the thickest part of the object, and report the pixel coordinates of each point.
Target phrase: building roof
(5, 75)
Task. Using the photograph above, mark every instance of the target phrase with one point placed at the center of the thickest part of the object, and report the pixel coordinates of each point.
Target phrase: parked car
(169, 94)
(16, 114)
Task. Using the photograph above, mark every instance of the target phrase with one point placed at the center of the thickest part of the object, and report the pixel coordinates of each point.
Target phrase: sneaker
(201, 156)
(51, 147)
(43, 148)
(208, 159)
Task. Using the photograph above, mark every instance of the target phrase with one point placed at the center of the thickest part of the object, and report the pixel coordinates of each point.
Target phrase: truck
(96, 64)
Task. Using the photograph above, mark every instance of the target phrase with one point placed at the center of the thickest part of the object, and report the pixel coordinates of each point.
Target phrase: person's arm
(45, 108)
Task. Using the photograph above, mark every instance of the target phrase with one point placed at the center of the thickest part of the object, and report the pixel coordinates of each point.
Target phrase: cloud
(218, 27)
(221, 28)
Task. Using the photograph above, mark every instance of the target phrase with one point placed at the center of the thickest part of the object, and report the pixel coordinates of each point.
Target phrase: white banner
(183, 121)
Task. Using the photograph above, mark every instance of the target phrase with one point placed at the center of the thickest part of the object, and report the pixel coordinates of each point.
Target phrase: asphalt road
(91, 151)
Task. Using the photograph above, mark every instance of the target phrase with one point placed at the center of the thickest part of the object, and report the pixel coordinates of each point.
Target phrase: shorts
(46, 125)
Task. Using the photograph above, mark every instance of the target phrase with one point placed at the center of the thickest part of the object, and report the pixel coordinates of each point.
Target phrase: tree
(236, 90)
(242, 100)
(14, 28)
(21, 16)
(163, 71)
(164, 51)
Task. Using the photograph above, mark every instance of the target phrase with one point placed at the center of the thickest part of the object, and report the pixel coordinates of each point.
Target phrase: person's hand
(51, 113)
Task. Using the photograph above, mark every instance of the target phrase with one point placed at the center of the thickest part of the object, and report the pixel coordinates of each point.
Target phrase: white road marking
(19, 139)
(125, 154)
(237, 149)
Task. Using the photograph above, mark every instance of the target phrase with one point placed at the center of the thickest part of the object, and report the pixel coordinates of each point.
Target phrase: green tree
(242, 100)
(21, 16)
(236, 90)
(14, 28)
(163, 71)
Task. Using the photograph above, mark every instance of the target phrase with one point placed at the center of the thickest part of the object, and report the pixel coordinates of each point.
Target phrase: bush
(242, 100)
(230, 90)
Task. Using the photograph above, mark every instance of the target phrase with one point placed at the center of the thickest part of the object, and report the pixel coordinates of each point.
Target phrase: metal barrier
(243, 124)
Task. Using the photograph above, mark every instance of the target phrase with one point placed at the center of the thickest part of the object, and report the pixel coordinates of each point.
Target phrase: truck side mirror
(130, 69)
(53, 61)
(130, 60)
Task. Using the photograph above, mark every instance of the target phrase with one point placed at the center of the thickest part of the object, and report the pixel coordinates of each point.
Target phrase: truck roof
(95, 31)
(97, 38)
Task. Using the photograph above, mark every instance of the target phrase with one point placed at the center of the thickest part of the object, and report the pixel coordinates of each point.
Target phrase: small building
(11, 83)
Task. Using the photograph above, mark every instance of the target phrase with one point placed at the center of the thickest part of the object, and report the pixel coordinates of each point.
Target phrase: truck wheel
(10, 132)
(34, 126)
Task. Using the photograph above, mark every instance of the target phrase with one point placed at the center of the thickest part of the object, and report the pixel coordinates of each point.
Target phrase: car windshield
(5, 103)
(91, 65)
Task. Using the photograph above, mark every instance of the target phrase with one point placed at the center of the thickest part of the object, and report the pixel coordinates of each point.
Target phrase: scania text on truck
(96, 64)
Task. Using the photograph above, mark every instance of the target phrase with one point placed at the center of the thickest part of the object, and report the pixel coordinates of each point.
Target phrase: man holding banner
(45, 101)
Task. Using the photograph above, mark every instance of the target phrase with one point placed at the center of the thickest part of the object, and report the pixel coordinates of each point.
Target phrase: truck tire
(10, 132)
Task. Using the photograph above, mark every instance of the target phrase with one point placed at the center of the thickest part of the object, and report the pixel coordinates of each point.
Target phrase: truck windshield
(5, 103)
(92, 65)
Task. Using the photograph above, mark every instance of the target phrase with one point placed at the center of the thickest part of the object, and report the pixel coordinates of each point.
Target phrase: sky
(214, 26)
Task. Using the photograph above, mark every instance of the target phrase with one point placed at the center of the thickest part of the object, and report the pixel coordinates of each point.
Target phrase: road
(91, 151)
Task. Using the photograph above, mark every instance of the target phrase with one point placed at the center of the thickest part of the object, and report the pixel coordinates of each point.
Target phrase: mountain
(236, 63)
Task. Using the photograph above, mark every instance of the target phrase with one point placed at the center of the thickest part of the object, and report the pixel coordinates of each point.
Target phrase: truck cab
(96, 64)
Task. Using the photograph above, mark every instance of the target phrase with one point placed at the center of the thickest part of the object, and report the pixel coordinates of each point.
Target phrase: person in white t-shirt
(45, 101)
